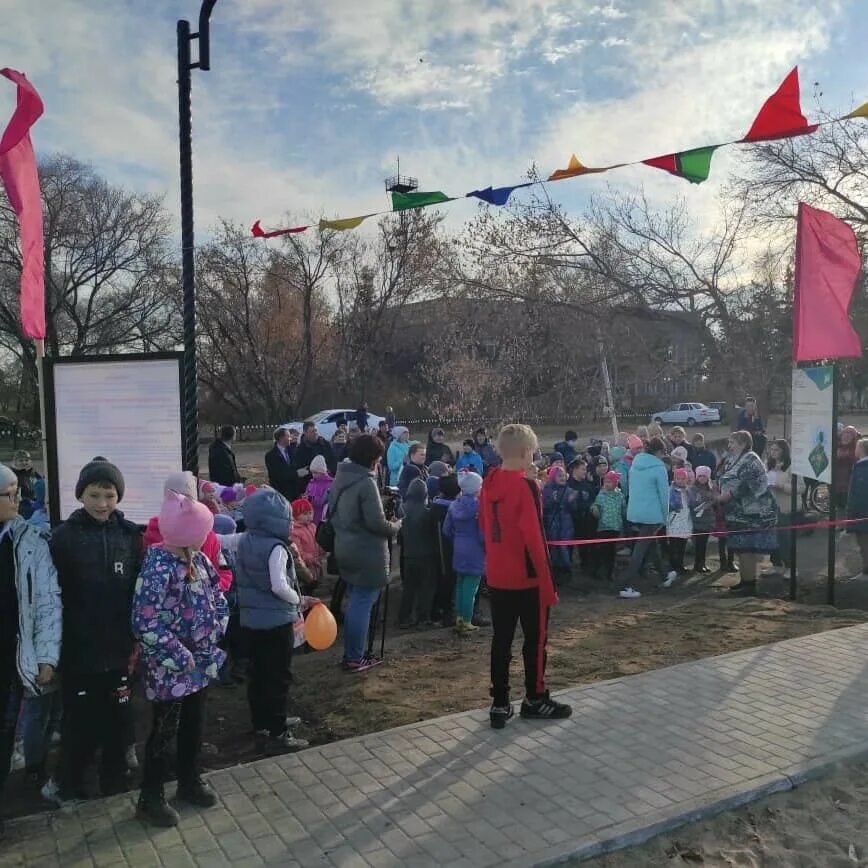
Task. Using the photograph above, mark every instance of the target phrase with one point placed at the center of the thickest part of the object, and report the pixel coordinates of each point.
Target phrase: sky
(308, 104)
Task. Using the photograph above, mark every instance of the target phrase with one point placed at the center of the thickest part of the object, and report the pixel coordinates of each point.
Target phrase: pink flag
(827, 266)
(21, 180)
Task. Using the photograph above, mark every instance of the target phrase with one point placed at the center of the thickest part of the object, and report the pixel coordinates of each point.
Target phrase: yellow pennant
(341, 225)
(861, 112)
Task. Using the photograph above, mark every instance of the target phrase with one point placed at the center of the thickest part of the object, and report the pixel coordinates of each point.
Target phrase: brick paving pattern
(640, 754)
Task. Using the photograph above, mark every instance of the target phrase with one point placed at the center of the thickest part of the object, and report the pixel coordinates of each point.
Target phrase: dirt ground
(818, 825)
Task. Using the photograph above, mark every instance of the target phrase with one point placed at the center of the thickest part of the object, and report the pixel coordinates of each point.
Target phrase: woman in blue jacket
(647, 509)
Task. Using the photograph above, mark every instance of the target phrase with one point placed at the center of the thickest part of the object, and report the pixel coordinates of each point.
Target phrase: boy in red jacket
(519, 576)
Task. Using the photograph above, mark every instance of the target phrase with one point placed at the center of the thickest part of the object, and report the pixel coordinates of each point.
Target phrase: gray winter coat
(362, 534)
(39, 607)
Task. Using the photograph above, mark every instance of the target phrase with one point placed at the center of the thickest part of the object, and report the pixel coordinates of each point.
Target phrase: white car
(687, 414)
(327, 421)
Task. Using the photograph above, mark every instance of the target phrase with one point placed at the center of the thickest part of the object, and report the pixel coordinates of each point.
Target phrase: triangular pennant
(259, 232)
(496, 195)
(574, 169)
(341, 225)
(861, 112)
(781, 115)
(694, 165)
(403, 201)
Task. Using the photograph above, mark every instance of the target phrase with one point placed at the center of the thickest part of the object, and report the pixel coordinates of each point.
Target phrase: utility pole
(188, 279)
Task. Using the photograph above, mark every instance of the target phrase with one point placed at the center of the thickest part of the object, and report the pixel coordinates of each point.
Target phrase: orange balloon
(320, 628)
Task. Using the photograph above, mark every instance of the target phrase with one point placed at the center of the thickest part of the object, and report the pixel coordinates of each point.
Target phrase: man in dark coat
(222, 468)
(362, 417)
(750, 420)
(283, 475)
(309, 447)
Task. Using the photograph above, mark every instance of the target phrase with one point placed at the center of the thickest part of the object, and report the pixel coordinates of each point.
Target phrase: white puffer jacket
(39, 606)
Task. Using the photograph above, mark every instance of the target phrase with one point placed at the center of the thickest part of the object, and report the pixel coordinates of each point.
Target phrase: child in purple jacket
(468, 559)
(317, 491)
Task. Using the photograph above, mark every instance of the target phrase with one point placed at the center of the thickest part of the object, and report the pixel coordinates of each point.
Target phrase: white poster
(127, 412)
(811, 423)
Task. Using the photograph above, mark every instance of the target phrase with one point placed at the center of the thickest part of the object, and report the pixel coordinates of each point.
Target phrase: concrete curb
(633, 832)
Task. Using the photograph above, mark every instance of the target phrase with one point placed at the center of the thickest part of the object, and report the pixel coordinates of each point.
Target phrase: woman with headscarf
(750, 509)
(438, 448)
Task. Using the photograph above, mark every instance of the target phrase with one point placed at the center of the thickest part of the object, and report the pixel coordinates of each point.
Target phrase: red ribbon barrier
(715, 533)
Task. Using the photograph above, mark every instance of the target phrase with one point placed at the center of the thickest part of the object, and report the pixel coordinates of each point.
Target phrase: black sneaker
(743, 589)
(545, 708)
(197, 793)
(479, 620)
(500, 714)
(156, 811)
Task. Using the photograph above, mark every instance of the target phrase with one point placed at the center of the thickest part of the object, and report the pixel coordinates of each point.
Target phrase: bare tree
(109, 272)
(376, 280)
(263, 324)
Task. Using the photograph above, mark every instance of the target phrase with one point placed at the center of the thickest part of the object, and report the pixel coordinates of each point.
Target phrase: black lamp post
(185, 139)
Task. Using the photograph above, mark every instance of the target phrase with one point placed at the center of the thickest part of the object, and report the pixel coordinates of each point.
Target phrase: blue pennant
(496, 195)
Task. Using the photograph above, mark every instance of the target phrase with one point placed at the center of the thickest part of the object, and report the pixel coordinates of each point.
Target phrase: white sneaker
(671, 579)
(132, 759)
(774, 571)
(51, 793)
(859, 577)
(629, 594)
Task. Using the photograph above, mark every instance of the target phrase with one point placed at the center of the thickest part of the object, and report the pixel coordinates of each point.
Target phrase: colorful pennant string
(779, 118)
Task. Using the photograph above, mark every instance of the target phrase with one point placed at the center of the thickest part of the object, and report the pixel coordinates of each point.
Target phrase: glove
(307, 603)
(302, 472)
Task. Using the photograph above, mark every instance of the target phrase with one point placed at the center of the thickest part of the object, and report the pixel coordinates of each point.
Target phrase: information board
(811, 423)
(125, 409)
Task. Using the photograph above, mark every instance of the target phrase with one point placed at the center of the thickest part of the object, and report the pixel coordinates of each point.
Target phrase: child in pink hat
(679, 526)
(179, 616)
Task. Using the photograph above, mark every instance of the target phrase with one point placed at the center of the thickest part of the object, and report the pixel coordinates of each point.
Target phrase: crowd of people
(216, 587)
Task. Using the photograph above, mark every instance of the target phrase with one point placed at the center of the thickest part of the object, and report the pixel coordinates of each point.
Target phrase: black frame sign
(125, 408)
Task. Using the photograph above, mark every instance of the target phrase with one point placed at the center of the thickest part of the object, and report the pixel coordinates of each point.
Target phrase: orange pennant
(574, 169)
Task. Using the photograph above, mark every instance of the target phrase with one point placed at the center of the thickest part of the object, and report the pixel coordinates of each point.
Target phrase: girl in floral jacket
(179, 616)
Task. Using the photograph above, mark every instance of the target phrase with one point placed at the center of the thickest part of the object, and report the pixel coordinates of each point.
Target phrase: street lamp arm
(204, 34)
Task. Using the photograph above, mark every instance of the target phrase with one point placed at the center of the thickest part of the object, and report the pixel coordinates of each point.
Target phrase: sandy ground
(819, 825)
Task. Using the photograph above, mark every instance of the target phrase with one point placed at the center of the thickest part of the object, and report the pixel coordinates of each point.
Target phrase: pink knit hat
(703, 472)
(634, 442)
(554, 471)
(613, 476)
(184, 523)
(681, 474)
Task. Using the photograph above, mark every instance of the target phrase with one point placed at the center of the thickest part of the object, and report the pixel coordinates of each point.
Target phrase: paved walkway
(640, 755)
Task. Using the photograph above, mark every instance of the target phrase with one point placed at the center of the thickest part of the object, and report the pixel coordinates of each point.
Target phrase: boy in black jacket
(419, 538)
(584, 521)
(97, 553)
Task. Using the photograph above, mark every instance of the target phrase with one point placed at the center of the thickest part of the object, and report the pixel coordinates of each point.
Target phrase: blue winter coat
(857, 499)
(558, 507)
(569, 452)
(489, 455)
(462, 527)
(395, 458)
(469, 462)
(649, 491)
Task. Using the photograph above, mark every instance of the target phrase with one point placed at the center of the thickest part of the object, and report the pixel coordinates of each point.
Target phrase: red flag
(781, 115)
(259, 232)
(21, 180)
(827, 266)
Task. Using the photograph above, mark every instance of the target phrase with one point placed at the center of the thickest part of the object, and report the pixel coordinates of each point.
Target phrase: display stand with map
(126, 408)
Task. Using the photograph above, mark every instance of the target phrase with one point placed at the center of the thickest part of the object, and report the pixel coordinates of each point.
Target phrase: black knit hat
(99, 471)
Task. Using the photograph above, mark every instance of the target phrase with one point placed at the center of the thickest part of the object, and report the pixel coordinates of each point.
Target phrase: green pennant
(403, 201)
(695, 165)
